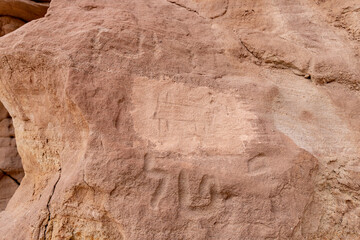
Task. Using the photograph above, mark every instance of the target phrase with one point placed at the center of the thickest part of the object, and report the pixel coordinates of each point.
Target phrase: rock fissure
(185, 7)
(249, 51)
(12, 178)
(10, 67)
(48, 204)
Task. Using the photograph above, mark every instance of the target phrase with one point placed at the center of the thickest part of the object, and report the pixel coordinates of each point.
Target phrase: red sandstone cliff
(182, 119)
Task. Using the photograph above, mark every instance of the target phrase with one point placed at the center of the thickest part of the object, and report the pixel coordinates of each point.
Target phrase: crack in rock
(12, 178)
(48, 203)
(223, 13)
(185, 7)
(195, 11)
(249, 51)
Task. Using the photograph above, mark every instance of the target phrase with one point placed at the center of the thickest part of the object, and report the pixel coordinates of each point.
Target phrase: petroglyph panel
(177, 117)
(196, 192)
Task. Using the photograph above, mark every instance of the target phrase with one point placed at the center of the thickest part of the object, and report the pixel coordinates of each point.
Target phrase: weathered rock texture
(185, 119)
(13, 14)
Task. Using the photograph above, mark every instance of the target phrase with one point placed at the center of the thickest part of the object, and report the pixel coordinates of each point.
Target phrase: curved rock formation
(11, 171)
(185, 119)
(25, 10)
(15, 13)
(9, 24)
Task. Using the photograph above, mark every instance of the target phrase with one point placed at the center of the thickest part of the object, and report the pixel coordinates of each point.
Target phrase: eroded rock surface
(185, 119)
(13, 14)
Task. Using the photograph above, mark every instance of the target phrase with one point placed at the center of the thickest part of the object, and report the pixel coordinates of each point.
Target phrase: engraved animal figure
(188, 117)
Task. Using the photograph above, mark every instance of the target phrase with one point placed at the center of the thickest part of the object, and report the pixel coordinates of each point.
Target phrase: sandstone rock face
(11, 170)
(184, 119)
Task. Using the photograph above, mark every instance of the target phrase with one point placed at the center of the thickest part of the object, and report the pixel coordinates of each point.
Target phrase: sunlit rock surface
(184, 119)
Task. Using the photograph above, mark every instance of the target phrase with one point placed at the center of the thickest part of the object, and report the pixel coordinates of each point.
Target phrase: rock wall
(13, 14)
(184, 119)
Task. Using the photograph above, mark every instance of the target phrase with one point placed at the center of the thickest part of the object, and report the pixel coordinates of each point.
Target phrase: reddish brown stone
(185, 119)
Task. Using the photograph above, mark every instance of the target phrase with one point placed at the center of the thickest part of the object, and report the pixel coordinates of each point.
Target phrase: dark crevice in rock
(41, 1)
(249, 51)
(8, 175)
(185, 7)
(10, 162)
(48, 204)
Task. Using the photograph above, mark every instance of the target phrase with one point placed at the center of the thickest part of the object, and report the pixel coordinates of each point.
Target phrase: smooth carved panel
(311, 110)
(180, 118)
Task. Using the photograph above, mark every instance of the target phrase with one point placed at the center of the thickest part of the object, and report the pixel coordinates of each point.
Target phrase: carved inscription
(180, 118)
(194, 195)
(163, 181)
(256, 164)
(203, 198)
(174, 116)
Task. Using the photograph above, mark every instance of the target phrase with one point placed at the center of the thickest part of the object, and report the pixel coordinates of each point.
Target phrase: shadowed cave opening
(13, 15)
(11, 170)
